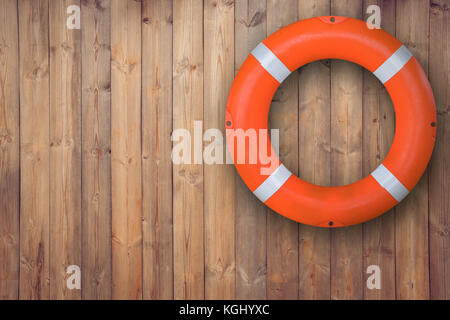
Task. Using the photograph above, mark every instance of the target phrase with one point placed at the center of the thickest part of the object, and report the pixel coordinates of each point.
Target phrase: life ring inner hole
(318, 108)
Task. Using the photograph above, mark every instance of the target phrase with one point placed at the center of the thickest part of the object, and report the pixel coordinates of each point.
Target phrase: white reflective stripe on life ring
(393, 64)
(389, 182)
(274, 182)
(270, 62)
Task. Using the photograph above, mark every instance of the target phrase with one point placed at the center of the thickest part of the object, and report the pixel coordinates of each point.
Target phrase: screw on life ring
(334, 38)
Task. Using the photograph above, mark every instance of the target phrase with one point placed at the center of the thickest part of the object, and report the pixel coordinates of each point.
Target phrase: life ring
(391, 62)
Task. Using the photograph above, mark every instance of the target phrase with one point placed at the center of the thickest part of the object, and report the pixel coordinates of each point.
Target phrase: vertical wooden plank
(439, 70)
(96, 153)
(219, 196)
(346, 162)
(156, 149)
(34, 144)
(126, 149)
(249, 30)
(378, 133)
(65, 149)
(314, 162)
(282, 234)
(411, 220)
(9, 151)
(188, 178)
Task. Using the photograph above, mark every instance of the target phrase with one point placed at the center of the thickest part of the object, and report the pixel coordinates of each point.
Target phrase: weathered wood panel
(346, 162)
(282, 234)
(218, 197)
(96, 153)
(377, 135)
(34, 149)
(189, 279)
(9, 151)
(439, 188)
(314, 161)
(126, 149)
(249, 30)
(411, 219)
(156, 149)
(65, 149)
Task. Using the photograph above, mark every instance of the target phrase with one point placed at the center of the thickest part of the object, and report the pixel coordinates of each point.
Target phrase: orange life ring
(334, 38)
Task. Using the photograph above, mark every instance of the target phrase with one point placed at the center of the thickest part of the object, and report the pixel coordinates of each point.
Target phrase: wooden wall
(86, 176)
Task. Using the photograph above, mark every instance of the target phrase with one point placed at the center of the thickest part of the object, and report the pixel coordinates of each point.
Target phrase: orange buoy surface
(332, 38)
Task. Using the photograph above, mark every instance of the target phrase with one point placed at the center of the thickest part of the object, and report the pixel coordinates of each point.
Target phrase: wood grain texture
(34, 149)
(219, 202)
(346, 162)
(411, 219)
(156, 149)
(189, 261)
(9, 151)
(65, 149)
(87, 119)
(126, 149)
(282, 234)
(314, 161)
(251, 214)
(96, 154)
(377, 135)
(439, 186)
